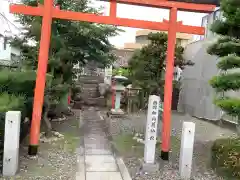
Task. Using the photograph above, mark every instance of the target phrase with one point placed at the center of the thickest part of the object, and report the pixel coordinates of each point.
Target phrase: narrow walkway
(98, 162)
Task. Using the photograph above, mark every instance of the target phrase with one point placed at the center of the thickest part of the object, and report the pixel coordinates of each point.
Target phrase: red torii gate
(48, 11)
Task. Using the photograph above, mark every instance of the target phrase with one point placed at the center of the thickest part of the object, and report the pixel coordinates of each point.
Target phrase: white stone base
(117, 112)
(151, 168)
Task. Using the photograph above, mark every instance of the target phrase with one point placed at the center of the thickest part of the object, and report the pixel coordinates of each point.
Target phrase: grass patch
(175, 144)
(70, 142)
(226, 157)
(127, 146)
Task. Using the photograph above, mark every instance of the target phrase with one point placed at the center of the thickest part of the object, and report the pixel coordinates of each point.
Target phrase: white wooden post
(11, 143)
(186, 151)
(108, 75)
(151, 129)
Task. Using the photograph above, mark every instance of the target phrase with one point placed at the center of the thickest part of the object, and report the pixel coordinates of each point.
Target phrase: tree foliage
(71, 42)
(227, 48)
(147, 64)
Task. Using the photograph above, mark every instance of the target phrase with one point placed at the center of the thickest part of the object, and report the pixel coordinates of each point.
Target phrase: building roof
(145, 32)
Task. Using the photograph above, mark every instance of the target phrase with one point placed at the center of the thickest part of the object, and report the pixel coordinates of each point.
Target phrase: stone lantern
(132, 94)
(118, 88)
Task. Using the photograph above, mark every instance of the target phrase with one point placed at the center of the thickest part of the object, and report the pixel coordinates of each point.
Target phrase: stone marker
(11, 143)
(151, 134)
(186, 151)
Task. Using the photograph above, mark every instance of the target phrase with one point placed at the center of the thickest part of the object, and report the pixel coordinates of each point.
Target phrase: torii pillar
(166, 128)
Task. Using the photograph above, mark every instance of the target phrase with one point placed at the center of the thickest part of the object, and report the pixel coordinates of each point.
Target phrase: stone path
(96, 160)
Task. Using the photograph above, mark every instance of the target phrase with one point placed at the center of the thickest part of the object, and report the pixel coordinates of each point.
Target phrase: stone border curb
(81, 169)
(123, 169)
(80, 175)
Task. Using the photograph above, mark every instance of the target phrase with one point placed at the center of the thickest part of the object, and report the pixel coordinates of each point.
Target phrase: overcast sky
(126, 11)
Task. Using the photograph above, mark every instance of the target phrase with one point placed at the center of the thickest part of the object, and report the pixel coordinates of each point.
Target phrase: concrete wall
(196, 96)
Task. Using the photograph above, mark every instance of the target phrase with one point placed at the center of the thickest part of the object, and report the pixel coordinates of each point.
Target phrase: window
(217, 15)
(4, 43)
(142, 39)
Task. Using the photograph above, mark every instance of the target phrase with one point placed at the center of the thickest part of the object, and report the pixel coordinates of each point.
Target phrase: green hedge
(15, 82)
(9, 103)
(226, 157)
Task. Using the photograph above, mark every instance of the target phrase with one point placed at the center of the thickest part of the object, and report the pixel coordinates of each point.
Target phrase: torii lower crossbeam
(48, 12)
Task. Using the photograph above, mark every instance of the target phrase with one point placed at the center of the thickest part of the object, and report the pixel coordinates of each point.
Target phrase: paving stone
(94, 146)
(98, 152)
(103, 176)
(100, 163)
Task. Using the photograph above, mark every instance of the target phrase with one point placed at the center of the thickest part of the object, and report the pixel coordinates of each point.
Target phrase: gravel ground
(57, 160)
(205, 134)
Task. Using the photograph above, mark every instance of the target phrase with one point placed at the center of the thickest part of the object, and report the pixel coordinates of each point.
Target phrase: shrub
(9, 103)
(18, 82)
(226, 157)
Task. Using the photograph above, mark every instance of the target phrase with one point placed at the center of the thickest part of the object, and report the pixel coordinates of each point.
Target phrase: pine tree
(227, 48)
(147, 64)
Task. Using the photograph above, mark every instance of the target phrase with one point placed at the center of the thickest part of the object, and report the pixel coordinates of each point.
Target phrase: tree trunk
(47, 121)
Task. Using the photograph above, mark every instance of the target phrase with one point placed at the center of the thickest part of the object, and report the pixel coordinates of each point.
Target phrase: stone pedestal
(11, 143)
(118, 88)
(117, 112)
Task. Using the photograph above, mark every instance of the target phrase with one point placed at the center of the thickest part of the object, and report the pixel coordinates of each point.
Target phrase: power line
(8, 21)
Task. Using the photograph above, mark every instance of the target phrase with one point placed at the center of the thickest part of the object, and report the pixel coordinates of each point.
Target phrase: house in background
(142, 40)
(9, 55)
(196, 96)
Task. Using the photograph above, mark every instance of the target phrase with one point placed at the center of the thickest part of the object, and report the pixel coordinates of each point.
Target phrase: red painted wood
(41, 72)
(191, 7)
(166, 127)
(78, 16)
(113, 8)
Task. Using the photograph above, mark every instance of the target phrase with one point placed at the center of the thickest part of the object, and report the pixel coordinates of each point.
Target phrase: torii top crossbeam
(113, 20)
(203, 6)
(48, 11)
